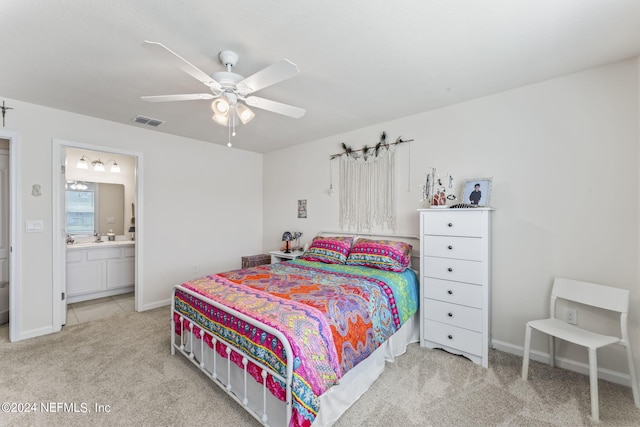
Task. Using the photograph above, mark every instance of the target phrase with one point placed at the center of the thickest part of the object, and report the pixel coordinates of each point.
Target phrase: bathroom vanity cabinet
(96, 270)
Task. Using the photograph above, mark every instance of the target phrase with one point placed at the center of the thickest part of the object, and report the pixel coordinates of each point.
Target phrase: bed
(298, 342)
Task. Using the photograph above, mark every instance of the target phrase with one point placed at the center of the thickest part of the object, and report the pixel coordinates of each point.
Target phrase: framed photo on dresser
(477, 191)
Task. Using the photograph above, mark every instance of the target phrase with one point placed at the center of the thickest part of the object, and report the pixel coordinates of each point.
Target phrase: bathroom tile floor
(100, 308)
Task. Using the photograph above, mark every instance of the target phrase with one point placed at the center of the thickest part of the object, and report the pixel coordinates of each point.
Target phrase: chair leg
(525, 355)
(593, 380)
(552, 351)
(632, 375)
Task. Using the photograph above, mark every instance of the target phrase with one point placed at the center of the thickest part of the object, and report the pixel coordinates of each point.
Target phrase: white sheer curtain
(367, 191)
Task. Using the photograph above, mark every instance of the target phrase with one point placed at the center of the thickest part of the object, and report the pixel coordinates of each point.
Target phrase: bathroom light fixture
(82, 163)
(98, 165)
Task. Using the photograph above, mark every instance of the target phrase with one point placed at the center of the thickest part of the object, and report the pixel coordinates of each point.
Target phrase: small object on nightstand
(296, 237)
(287, 237)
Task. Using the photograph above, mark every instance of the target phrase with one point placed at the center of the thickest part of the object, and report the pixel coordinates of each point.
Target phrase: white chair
(604, 297)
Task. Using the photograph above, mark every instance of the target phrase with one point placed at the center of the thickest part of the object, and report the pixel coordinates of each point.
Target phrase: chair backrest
(601, 296)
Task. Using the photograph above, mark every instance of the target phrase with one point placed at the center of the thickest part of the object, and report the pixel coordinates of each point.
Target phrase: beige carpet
(125, 363)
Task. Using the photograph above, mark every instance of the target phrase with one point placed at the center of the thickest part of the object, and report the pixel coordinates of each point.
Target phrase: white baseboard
(156, 304)
(561, 362)
(33, 333)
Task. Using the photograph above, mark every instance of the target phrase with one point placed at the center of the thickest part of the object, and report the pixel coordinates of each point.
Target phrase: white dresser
(455, 290)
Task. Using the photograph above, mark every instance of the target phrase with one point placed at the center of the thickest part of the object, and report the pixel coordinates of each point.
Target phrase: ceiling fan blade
(275, 73)
(276, 107)
(183, 97)
(185, 65)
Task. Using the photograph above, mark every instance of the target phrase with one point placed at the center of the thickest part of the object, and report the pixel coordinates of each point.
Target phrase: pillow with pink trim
(381, 254)
(330, 250)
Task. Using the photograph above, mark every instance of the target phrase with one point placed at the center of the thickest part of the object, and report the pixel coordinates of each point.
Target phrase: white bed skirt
(335, 401)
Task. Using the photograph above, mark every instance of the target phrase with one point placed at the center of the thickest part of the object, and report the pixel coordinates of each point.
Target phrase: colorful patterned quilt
(334, 316)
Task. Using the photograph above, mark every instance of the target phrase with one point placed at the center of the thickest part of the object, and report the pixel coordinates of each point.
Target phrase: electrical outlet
(571, 315)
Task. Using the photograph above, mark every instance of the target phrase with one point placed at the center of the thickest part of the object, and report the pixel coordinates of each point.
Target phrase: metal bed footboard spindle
(187, 345)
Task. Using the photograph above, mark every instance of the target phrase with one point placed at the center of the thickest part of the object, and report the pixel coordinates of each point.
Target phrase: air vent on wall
(148, 121)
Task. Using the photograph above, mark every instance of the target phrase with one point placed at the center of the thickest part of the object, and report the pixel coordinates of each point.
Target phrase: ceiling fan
(230, 90)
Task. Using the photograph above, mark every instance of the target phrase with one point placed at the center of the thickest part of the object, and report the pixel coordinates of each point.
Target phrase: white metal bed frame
(255, 398)
(194, 350)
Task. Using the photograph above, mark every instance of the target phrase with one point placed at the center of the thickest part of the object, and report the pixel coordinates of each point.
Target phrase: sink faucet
(69, 239)
(98, 237)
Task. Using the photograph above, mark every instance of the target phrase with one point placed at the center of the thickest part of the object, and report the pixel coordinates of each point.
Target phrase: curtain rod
(333, 156)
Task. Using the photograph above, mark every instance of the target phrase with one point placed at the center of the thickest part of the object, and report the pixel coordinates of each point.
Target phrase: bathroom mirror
(94, 207)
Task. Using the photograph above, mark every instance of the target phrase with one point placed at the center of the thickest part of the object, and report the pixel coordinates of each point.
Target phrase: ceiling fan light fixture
(221, 119)
(220, 106)
(244, 113)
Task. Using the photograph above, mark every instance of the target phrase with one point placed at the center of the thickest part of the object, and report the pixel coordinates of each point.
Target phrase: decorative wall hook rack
(369, 151)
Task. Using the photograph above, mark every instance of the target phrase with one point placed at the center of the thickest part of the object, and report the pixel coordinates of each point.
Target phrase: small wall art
(302, 208)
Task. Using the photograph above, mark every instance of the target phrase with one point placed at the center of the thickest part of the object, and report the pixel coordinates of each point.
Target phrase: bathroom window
(81, 208)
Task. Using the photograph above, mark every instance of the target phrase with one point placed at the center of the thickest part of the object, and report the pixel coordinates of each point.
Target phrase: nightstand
(279, 256)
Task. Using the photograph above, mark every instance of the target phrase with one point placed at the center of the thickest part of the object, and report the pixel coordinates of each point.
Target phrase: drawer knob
(449, 269)
(450, 314)
(450, 292)
(450, 224)
(450, 337)
(449, 247)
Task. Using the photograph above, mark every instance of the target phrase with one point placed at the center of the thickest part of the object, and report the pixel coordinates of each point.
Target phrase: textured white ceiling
(362, 62)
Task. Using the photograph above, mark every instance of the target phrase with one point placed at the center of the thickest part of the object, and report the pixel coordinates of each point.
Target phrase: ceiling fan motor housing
(228, 58)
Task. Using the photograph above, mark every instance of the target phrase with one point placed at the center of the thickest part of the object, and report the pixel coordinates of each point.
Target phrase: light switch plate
(34, 226)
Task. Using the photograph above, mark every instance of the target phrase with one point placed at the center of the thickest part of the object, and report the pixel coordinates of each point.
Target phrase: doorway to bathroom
(96, 197)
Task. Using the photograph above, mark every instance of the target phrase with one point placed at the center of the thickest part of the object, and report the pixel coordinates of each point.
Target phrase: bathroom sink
(100, 244)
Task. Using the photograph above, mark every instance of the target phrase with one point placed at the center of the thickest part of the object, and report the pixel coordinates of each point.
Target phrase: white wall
(564, 158)
(202, 206)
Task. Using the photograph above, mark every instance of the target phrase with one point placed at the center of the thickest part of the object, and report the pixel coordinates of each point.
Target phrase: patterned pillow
(330, 250)
(381, 254)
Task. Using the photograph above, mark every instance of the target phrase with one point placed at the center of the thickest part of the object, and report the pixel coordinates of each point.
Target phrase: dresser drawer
(453, 292)
(453, 314)
(453, 269)
(453, 247)
(452, 336)
(453, 223)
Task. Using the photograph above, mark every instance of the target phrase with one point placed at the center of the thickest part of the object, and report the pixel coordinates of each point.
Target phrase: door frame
(59, 241)
(15, 237)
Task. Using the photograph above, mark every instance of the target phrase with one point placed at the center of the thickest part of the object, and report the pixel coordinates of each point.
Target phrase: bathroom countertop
(103, 244)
